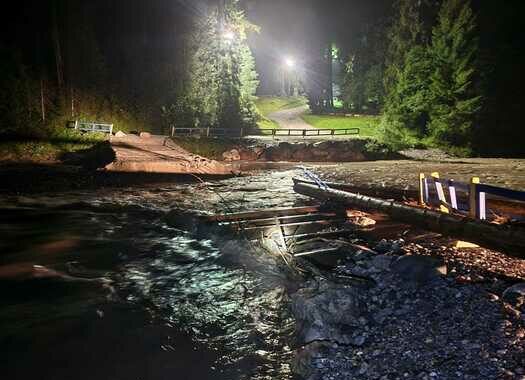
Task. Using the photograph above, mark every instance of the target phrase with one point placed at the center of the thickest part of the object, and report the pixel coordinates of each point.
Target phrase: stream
(108, 284)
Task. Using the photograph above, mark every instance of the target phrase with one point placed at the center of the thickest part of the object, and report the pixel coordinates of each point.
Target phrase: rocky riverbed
(394, 303)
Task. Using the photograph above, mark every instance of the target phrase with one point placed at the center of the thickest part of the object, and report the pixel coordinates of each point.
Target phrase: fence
(475, 194)
(91, 126)
(242, 132)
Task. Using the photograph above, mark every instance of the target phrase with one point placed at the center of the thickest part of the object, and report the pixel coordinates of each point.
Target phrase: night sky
(138, 38)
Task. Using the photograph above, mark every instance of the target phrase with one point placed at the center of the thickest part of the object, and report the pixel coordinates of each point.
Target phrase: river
(108, 284)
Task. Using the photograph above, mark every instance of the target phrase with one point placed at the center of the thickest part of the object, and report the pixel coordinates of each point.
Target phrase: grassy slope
(269, 104)
(207, 147)
(368, 125)
(49, 149)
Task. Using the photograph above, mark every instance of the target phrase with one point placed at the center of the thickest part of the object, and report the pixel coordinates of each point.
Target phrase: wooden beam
(263, 213)
(271, 221)
(316, 251)
(511, 240)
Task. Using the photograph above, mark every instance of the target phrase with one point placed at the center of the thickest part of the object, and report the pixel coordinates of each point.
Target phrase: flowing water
(109, 284)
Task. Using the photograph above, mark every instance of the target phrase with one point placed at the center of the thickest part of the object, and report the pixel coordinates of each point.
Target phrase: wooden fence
(243, 132)
(467, 198)
(91, 126)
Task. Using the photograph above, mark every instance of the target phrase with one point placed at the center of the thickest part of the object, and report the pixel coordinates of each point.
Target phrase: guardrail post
(422, 189)
(473, 198)
(452, 193)
(440, 192)
(242, 132)
(304, 133)
(207, 131)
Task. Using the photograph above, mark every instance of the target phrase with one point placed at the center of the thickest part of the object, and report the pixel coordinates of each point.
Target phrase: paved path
(158, 154)
(291, 118)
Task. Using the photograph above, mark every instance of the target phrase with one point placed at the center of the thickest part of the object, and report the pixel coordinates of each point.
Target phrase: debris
(465, 244)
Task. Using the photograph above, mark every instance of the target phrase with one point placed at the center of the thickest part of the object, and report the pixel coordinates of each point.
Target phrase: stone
(231, 155)
(302, 363)
(330, 313)
(381, 262)
(120, 134)
(515, 295)
(145, 135)
(419, 269)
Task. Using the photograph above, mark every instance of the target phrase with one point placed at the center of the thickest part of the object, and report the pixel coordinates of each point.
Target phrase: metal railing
(242, 132)
(474, 192)
(91, 126)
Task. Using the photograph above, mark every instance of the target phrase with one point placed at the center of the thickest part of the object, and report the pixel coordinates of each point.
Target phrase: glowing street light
(229, 35)
(289, 63)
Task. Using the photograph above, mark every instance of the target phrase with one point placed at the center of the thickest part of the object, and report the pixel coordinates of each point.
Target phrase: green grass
(368, 125)
(48, 149)
(207, 147)
(269, 104)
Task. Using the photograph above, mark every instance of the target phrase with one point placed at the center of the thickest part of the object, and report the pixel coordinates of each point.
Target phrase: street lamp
(228, 36)
(289, 63)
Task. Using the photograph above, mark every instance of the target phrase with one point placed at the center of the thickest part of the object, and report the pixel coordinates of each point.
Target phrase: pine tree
(455, 100)
(223, 80)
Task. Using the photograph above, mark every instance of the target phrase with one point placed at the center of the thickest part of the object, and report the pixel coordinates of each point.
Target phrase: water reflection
(174, 299)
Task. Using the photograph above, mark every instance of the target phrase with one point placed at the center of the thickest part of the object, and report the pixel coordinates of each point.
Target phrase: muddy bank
(412, 306)
(352, 150)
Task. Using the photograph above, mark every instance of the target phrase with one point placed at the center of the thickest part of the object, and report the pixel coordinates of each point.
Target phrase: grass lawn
(368, 125)
(269, 104)
(48, 149)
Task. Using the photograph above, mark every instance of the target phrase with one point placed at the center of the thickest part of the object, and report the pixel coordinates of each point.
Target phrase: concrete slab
(158, 154)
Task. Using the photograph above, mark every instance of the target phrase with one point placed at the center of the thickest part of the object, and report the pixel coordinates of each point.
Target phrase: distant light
(289, 62)
(229, 35)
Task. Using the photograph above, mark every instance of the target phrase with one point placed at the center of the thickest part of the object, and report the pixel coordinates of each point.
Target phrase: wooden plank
(503, 237)
(263, 213)
(271, 220)
(316, 251)
(319, 234)
(322, 222)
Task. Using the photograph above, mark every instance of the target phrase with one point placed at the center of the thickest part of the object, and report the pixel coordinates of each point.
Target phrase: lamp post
(288, 67)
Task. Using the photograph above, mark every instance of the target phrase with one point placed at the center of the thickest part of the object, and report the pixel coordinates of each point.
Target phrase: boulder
(419, 269)
(329, 313)
(231, 155)
(145, 135)
(381, 262)
(248, 154)
(302, 363)
(515, 295)
(120, 134)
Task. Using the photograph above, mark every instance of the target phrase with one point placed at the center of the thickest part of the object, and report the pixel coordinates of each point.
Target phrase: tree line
(436, 72)
(186, 65)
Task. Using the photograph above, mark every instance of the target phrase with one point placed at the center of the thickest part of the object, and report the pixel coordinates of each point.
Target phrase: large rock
(120, 134)
(419, 269)
(231, 155)
(145, 135)
(515, 295)
(329, 313)
(302, 362)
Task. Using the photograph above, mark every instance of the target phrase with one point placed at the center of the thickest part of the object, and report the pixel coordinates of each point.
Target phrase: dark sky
(140, 36)
(136, 33)
(295, 27)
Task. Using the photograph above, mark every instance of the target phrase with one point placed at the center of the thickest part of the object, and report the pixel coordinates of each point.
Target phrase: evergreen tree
(455, 100)
(363, 89)
(222, 79)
